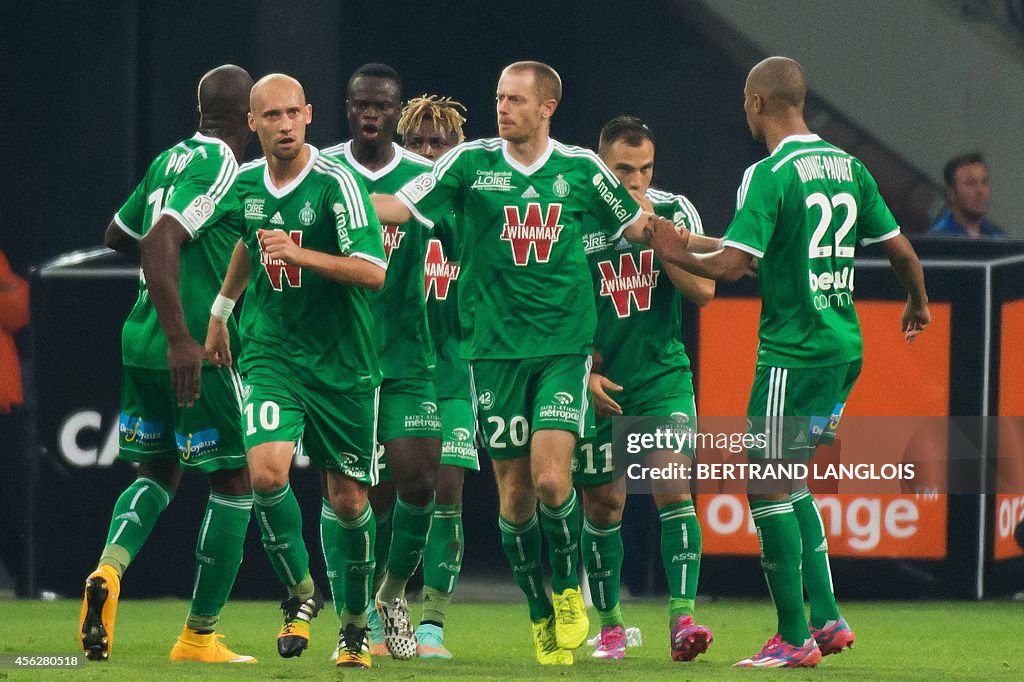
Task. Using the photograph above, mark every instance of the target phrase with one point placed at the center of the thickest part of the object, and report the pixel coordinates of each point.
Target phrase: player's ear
(252, 121)
(548, 108)
(309, 114)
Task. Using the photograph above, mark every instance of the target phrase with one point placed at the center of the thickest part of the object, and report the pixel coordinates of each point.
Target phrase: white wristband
(222, 307)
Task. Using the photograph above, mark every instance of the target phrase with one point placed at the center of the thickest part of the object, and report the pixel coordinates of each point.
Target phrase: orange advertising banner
(1010, 457)
(859, 526)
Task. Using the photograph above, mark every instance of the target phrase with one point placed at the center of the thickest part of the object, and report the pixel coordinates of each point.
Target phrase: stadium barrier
(883, 545)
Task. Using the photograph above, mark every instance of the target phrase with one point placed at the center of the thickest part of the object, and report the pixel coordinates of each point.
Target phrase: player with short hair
(800, 211)
(645, 366)
(408, 423)
(175, 411)
(430, 126)
(310, 254)
(522, 197)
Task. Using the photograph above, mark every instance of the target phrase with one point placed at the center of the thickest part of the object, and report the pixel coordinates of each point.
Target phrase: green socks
(382, 547)
(218, 556)
(280, 521)
(561, 526)
(778, 534)
(442, 561)
(348, 550)
(681, 547)
(135, 514)
(817, 573)
(521, 544)
(602, 558)
(408, 537)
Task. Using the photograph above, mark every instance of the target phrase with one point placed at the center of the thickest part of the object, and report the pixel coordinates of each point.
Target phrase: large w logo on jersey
(630, 282)
(438, 271)
(278, 270)
(534, 232)
(392, 238)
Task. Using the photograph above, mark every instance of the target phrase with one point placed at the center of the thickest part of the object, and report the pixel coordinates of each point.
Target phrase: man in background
(968, 193)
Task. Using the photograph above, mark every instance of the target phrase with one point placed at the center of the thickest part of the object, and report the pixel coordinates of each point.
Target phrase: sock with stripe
(522, 547)
(442, 561)
(602, 558)
(561, 527)
(778, 534)
(333, 558)
(382, 547)
(218, 556)
(408, 536)
(681, 548)
(280, 522)
(355, 538)
(135, 514)
(817, 573)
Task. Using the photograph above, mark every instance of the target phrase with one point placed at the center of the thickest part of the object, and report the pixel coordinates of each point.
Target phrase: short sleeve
(202, 193)
(875, 222)
(757, 210)
(610, 202)
(432, 195)
(359, 231)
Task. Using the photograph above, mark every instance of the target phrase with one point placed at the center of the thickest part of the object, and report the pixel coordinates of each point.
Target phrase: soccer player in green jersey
(408, 422)
(175, 411)
(644, 372)
(801, 211)
(430, 126)
(311, 253)
(527, 309)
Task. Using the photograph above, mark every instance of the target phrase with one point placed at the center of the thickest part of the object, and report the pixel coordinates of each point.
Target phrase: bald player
(311, 254)
(801, 211)
(176, 410)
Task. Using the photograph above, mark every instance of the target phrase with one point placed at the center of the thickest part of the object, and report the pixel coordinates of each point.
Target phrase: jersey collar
(527, 170)
(795, 138)
(278, 193)
(366, 172)
(199, 137)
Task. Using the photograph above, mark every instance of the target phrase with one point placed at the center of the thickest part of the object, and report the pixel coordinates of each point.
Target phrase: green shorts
(514, 398)
(668, 396)
(336, 427)
(206, 436)
(792, 411)
(407, 408)
(458, 431)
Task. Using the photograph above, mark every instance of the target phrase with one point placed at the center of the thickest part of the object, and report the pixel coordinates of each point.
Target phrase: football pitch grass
(895, 641)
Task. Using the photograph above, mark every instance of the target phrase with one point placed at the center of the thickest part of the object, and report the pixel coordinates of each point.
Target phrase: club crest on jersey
(633, 282)
(561, 187)
(438, 271)
(278, 271)
(535, 232)
(307, 216)
(392, 238)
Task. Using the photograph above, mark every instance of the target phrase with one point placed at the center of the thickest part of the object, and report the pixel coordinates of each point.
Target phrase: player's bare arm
(604, 404)
(389, 209)
(218, 341)
(908, 268)
(671, 245)
(352, 271)
(161, 265)
(117, 239)
(698, 289)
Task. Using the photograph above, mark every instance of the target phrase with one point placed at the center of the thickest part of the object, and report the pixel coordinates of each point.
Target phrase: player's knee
(553, 487)
(267, 479)
(603, 511)
(418, 493)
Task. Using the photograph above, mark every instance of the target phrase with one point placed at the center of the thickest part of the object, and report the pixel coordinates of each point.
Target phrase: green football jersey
(440, 284)
(526, 289)
(639, 309)
(401, 315)
(295, 322)
(192, 182)
(801, 211)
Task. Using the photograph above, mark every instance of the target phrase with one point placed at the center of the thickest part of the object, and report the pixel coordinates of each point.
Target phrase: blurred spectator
(967, 195)
(13, 316)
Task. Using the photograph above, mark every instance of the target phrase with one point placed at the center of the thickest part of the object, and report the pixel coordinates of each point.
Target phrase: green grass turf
(895, 641)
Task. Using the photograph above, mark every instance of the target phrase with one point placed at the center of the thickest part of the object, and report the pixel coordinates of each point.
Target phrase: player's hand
(645, 204)
(753, 270)
(604, 405)
(915, 319)
(218, 343)
(667, 240)
(185, 362)
(278, 244)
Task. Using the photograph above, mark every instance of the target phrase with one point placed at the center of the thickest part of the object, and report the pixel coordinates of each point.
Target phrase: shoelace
(567, 610)
(397, 614)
